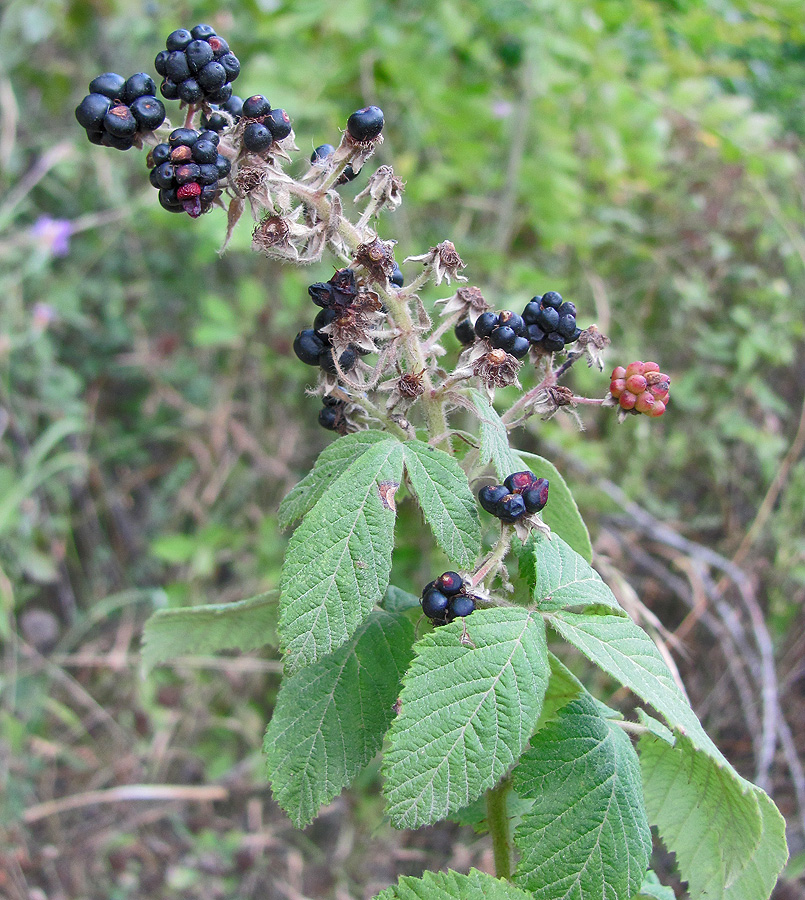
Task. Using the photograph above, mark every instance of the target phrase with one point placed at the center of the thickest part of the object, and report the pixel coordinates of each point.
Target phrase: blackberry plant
(476, 718)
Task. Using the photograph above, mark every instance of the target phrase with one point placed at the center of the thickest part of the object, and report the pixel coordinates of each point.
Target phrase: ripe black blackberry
(446, 598)
(332, 415)
(521, 493)
(550, 322)
(118, 110)
(465, 332)
(186, 171)
(365, 124)
(196, 66)
(505, 331)
(264, 125)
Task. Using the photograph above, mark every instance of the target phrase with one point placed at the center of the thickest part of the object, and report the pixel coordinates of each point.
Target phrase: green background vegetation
(644, 158)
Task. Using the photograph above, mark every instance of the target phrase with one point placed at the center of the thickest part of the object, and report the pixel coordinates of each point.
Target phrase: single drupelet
(446, 598)
(521, 494)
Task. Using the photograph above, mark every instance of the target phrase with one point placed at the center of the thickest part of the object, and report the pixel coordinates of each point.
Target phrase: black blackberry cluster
(332, 414)
(216, 121)
(313, 346)
(446, 599)
(187, 169)
(197, 66)
(521, 493)
(504, 331)
(265, 125)
(117, 109)
(551, 322)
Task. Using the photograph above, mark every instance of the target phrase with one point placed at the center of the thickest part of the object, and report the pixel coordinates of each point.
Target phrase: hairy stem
(498, 820)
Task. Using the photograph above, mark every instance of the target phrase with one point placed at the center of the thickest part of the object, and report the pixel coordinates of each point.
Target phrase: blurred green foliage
(642, 157)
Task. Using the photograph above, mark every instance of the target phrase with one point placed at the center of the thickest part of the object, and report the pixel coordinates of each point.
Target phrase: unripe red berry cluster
(641, 388)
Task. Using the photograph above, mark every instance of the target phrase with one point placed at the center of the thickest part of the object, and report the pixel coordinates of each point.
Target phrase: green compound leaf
(586, 837)
(624, 651)
(332, 462)
(653, 889)
(444, 495)
(339, 559)
(199, 630)
(561, 513)
(330, 718)
(494, 437)
(728, 837)
(467, 712)
(452, 886)
(559, 577)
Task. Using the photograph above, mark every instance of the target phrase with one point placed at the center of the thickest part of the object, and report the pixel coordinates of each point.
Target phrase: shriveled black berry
(462, 605)
(149, 113)
(536, 496)
(321, 293)
(91, 110)
(502, 338)
(257, 138)
(110, 84)
(255, 107)
(552, 299)
(449, 583)
(120, 122)
(279, 124)
(486, 323)
(344, 286)
(321, 153)
(465, 332)
(202, 32)
(324, 318)
(308, 346)
(190, 91)
(519, 481)
(490, 496)
(510, 508)
(520, 347)
(434, 604)
(179, 39)
(553, 342)
(515, 322)
(365, 124)
(397, 277)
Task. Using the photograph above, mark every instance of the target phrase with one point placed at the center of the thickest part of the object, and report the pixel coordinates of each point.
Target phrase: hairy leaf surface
(444, 495)
(330, 465)
(728, 837)
(561, 513)
(452, 886)
(339, 559)
(559, 577)
(468, 710)
(330, 718)
(586, 837)
(198, 630)
(494, 437)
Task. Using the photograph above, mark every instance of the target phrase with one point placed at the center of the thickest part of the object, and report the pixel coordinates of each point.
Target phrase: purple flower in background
(52, 234)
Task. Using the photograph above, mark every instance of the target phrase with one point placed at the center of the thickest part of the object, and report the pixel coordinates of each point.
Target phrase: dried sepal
(377, 257)
(385, 188)
(466, 303)
(593, 342)
(444, 260)
(496, 368)
(233, 214)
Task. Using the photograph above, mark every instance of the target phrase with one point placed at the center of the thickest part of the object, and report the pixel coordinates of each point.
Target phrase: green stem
(498, 820)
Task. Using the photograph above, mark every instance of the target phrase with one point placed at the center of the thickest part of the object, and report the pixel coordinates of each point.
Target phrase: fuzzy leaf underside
(494, 437)
(330, 465)
(727, 835)
(452, 886)
(586, 837)
(558, 577)
(199, 630)
(653, 889)
(561, 513)
(467, 712)
(623, 650)
(339, 559)
(330, 718)
(444, 496)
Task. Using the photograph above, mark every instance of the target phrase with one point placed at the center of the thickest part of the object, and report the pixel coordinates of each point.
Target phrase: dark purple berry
(160, 154)
(461, 606)
(208, 174)
(449, 583)
(308, 346)
(330, 417)
(257, 138)
(202, 32)
(160, 62)
(186, 172)
(574, 337)
(109, 84)
(486, 323)
(567, 326)
(324, 318)
(330, 400)
(535, 334)
(119, 122)
(346, 360)
(549, 319)
(349, 174)
(397, 277)
(502, 338)
(168, 200)
(234, 106)
(490, 496)
(169, 89)
(163, 175)
(185, 137)
(520, 347)
(536, 496)
(149, 113)
(365, 124)
(465, 332)
(552, 299)
(139, 85)
(279, 124)
(321, 153)
(231, 65)
(198, 54)
(223, 165)
(176, 66)
(519, 481)
(255, 107)
(532, 311)
(515, 322)
(434, 604)
(91, 110)
(553, 342)
(567, 309)
(179, 39)
(204, 151)
(218, 44)
(190, 91)
(212, 78)
(321, 293)
(221, 96)
(510, 508)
